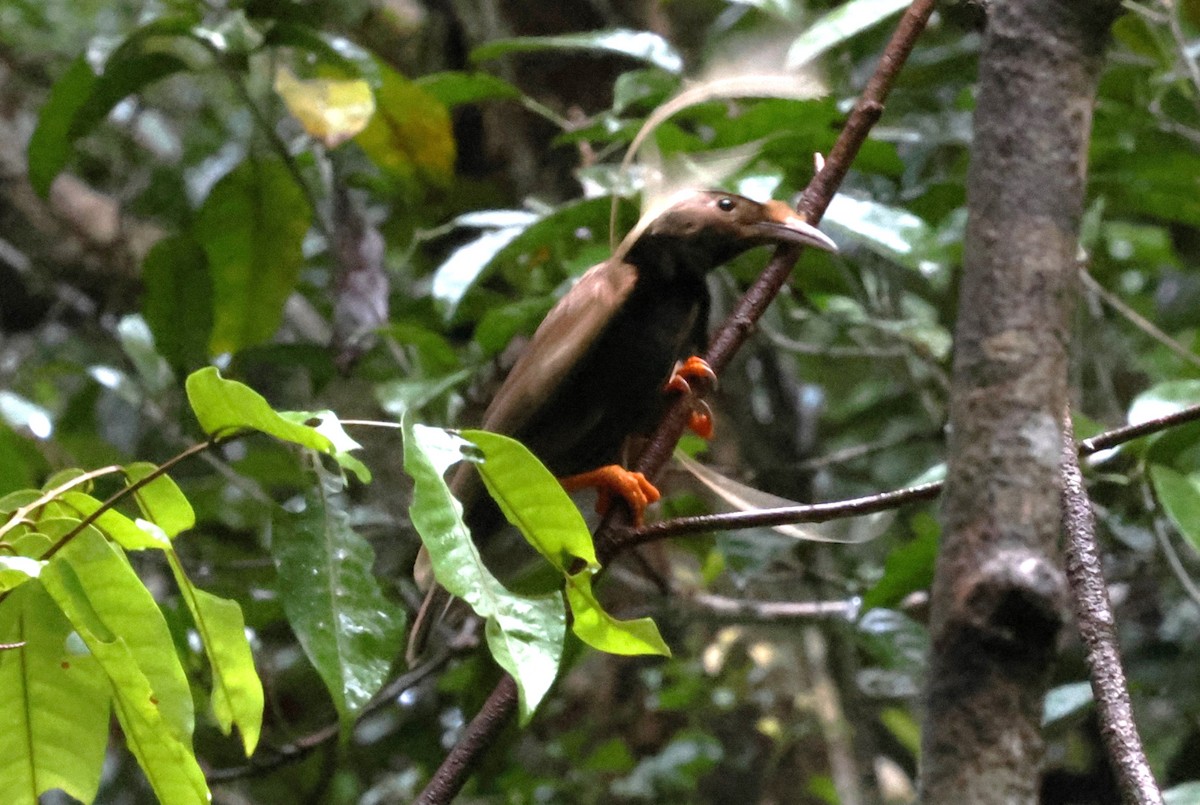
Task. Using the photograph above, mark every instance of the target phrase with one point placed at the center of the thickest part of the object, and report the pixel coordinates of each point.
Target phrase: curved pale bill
(783, 224)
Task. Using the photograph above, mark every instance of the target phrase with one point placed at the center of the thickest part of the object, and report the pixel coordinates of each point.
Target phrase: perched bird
(597, 369)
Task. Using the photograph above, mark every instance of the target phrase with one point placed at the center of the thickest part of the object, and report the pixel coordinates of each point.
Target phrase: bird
(602, 365)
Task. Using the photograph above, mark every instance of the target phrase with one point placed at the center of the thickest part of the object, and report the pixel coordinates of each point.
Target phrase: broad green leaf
(1183, 794)
(454, 88)
(227, 406)
(177, 300)
(533, 500)
(410, 135)
(16, 570)
(56, 704)
(602, 631)
(466, 264)
(50, 144)
(525, 634)
(161, 501)
(330, 110)
(641, 45)
(398, 397)
(888, 231)
(93, 584)
(347, 627)
(252, 226)
(237, 692)
(123, 629)
(839, 25)
(1180, 497)
(328, 425)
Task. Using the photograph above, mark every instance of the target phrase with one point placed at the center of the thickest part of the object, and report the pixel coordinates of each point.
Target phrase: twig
(1112, 438)
(301, 747)
(483, 729)
(724, 608)
(1136, 319)
(452, 774)
(628, 536)
(1093, 613)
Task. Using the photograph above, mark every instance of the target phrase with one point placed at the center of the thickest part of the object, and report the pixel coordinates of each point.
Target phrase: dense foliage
(359, 208)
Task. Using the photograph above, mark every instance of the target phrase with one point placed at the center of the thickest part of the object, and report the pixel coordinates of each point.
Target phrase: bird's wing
(559, 343)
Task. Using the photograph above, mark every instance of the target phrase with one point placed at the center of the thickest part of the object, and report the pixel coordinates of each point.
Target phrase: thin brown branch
(767, 518)
(1112, 438)
(448, 780)
(1094, 616)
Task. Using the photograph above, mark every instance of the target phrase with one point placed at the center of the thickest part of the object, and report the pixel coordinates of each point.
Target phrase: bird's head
(701, 230)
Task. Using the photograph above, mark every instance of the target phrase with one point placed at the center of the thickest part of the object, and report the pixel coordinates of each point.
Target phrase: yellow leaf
(330, 110)
(411, 136)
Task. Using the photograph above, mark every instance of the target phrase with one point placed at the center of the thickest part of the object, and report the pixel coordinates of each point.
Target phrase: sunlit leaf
(454, 88)
(330, 110)
(533, 500)
(56, 702)
(226, 406)
(237, 692)
(16, 570)
(160, 500)
(602, 631)
(641, 45)
(524, 633)
(1065, 701)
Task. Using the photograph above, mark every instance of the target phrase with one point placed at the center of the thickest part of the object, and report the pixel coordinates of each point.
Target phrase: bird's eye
(726, 204)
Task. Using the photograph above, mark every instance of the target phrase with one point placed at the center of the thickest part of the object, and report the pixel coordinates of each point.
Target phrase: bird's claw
(700, 420)
(633, 487)
(687, 372)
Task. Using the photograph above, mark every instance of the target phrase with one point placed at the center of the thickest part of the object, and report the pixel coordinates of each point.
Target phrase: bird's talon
(700, 420)
(633, 487)
(687, 372)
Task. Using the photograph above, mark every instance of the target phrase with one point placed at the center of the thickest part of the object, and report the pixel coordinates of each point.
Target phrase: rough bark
(998, 597)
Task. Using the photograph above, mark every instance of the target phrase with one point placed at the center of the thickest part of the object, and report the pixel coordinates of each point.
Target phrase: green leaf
(177, 301)
(237, 694)
(533, 500)
(641, 45)
(16, 570)
(107, 603)
(329, 426)
(525, 634)
(1182, 794)
(454, 88)
(56, 704)
(252, 226)
(602, 631)
(839, 25)
(410, 135)
(227, 406)
(1180, 497)
(349, 630)
(909, 567)
(1163, 399)
(112, 523)
(117, 619)
(50, 144)
(161, 501)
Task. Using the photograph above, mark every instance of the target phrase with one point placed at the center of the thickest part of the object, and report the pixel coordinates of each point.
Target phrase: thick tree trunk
(999, 596)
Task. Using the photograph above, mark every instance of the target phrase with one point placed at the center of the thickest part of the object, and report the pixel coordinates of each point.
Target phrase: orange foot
(685, 373)
(633, 487)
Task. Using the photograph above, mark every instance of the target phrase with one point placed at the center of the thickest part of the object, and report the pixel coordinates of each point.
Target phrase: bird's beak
(782, 224)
